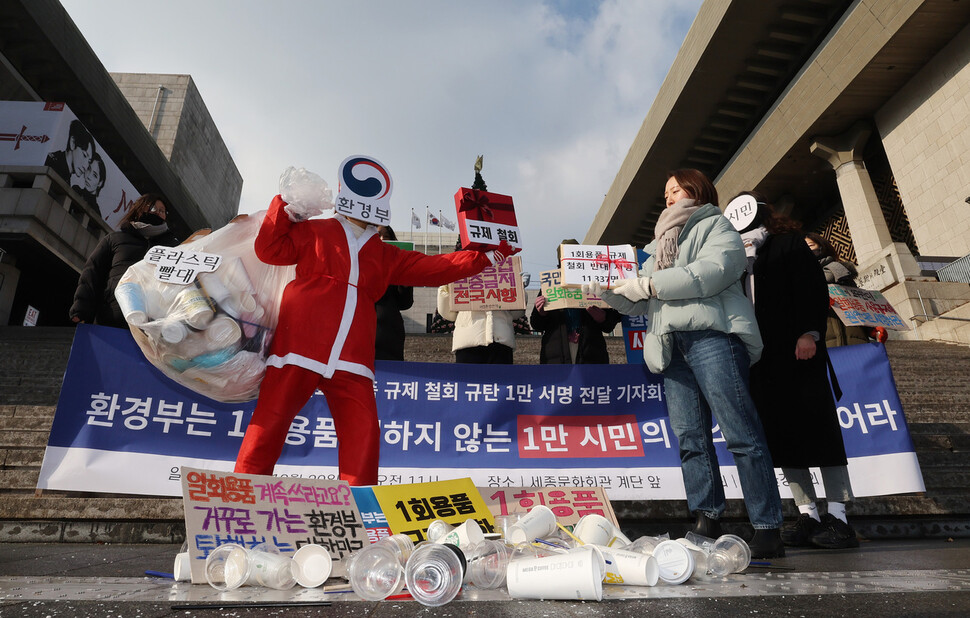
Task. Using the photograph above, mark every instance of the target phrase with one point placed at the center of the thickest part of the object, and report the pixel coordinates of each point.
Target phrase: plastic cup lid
(675, 562)
(311, 565)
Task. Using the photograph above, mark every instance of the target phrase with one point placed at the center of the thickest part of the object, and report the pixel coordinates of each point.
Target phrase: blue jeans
(709, 369)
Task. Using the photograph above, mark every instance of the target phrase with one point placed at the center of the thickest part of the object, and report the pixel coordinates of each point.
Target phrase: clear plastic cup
(312, 565)
(646, 544)
(574, 575)
(488, 563)
(434, 573)
(400, 545)
(504, 522)
(730, 554)
(704, 542)
(227, 567)
(539, 522)
(438, 529)
(375, 573)
(467, 534)
(270, 568)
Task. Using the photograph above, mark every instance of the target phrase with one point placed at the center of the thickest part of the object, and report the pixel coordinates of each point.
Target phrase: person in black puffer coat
(143, 227)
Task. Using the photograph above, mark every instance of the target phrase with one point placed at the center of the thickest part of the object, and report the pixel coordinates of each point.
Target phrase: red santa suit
(326, 330)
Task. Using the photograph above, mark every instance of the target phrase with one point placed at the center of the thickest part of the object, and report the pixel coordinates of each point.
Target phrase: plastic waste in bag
(210, 334)
(306, 194)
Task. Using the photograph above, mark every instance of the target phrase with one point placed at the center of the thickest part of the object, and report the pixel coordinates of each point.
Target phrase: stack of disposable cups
(377, 571)
(434, 573)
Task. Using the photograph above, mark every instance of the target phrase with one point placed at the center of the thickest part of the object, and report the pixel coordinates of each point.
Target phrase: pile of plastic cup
(434, 573)
(488, 563)
(377, 571)
(227, 567)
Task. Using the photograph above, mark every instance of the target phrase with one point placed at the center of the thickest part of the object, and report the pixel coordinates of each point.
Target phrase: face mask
(151, 219)
(817, 252)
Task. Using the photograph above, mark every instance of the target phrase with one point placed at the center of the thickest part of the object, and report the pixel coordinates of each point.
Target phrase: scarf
(149, 231)
(669, 225)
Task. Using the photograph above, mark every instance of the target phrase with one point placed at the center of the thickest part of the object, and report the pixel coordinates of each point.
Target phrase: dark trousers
(491, 354)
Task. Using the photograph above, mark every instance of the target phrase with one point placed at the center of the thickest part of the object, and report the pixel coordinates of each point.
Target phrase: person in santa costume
(327, 321)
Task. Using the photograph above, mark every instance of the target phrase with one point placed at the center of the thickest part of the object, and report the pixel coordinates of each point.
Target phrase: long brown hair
(140, 207)
(696, 184)
(825, 247)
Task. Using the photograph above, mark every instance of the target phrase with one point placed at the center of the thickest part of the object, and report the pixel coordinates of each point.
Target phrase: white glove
(634, 289)
(593, 289)
(305, 193)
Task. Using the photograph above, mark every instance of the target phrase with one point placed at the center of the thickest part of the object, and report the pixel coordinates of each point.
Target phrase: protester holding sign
(790, 384)
(702, 336)
(326, 330)
(142, 228)
(573, 336)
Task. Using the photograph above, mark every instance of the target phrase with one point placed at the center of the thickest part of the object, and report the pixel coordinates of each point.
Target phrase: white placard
(176, 265)
(741, 211)
(365, 190)
(606, 264)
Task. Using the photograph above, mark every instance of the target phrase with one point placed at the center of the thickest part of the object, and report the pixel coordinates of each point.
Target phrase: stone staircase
(930, 377)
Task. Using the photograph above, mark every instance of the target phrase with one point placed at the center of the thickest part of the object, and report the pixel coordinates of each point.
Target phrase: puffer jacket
(478, 328)
(701, 291)
(94, 299)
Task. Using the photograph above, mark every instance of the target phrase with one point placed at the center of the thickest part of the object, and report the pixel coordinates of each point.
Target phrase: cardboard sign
(497, 288)
(606, 264)
(36, 134)
(410, 508)
(365, 190)
(569, 504)
(559, 297)
(485, 219)
(858, 307)
(249, 509)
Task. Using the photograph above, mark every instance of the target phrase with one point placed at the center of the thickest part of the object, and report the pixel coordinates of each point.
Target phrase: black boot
(706, 526)
(833, 533)
(766, 543)
(800, 532)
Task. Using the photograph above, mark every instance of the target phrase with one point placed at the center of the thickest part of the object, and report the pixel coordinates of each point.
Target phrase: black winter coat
(389, 344)
(555, 337)
(94, 299)
(793, 397)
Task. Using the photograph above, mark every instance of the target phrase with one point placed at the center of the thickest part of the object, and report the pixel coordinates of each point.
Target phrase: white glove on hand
(634, 289)
(594, 288)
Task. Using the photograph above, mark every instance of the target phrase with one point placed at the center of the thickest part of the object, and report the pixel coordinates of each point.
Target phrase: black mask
(817, 252)
(151, 219)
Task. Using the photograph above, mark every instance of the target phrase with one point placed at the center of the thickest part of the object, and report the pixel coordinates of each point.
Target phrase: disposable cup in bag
(270, 568)
(729, 554)
(131, 300)
(223, 331)
(434, 573)
(194, 307)
(539, 522)
(227, 567)
(574, 575)
(375, 573)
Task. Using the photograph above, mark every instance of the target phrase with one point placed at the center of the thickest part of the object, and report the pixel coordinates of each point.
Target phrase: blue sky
(552, 93)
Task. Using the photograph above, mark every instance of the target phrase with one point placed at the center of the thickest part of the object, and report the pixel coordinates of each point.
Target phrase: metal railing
(957, 271)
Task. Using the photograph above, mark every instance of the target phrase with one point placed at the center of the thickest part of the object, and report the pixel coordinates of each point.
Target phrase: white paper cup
(465, 535)
(182, 570)
(223, 331)
(539, 522)
(595, 529)
(312, 565)
(227, 567)
(630, 567)
(676, 562)
(574, 575)
(131, 301)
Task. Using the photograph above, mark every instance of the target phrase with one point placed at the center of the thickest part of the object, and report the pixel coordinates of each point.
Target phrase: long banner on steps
(121, 426)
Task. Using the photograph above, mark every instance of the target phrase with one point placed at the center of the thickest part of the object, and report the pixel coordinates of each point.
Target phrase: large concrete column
(882, 263)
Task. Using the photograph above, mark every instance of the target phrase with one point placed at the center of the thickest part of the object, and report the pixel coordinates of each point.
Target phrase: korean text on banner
(410, 508)
(568, 504)
(606, 264)
(497, 288)
(485, 219)
(559, 297)
(248, 509)
(858, 307)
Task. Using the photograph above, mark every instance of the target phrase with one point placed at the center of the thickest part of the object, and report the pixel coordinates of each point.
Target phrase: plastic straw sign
(499, 287)
(175, 265)
(858, 307)
(568, 504)
(559, 297)
(249, 509)
(606, 264)
(410, 508)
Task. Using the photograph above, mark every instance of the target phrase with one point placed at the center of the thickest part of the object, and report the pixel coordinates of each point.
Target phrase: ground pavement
(920, 577)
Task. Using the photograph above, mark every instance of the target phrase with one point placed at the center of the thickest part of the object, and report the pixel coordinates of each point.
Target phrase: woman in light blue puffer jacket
(703, 336)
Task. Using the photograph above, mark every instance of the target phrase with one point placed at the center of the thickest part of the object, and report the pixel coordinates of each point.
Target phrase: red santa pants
(283, 394)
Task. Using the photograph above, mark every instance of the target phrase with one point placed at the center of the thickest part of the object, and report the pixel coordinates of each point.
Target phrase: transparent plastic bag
(306, 194)
(211, 335)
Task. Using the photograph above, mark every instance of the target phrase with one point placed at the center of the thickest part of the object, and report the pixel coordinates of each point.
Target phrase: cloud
(552, 93)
